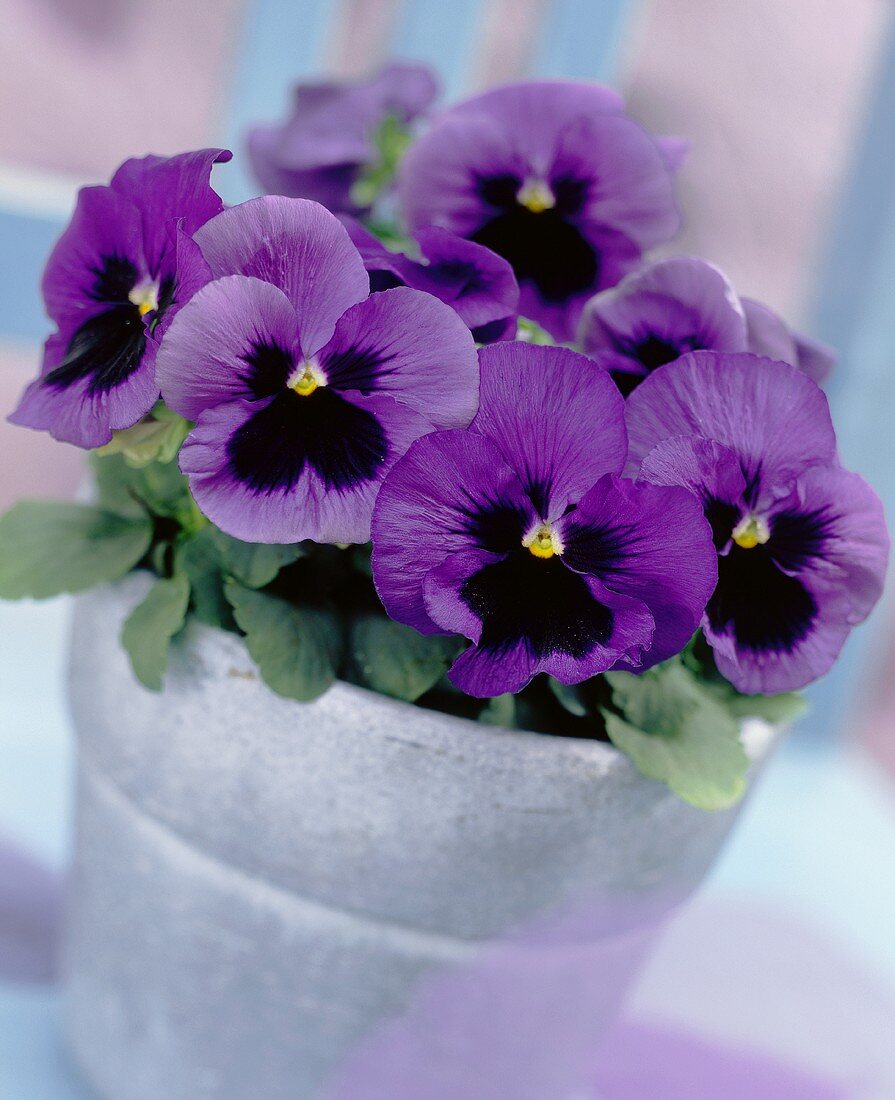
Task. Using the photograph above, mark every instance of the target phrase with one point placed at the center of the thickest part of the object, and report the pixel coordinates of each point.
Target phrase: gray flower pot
(261, 885)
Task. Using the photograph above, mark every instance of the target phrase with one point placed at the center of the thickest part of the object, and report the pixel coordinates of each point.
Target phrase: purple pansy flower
(112, 287)
(329, 139)
(520, 535)
(470, 278)
(305, 388)
(802, 543)
(555, 178)
(659, 313)
(768, 335)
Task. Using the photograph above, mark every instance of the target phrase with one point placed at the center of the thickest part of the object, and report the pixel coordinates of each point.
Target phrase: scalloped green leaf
(148, 630)
(253, 564)
(395, 660)
(50, 547)
(297, 649)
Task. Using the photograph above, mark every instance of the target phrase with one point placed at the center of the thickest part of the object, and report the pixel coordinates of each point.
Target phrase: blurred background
(788, 955)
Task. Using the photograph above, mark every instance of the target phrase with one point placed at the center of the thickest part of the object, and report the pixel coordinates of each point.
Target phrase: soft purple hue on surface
(470, 278)
(752, 437)
(632, 569)
(320, 150)
(120, 237)
(610, 180)
(290, 292)
(30, 898)
(769, 335)
(656, 314)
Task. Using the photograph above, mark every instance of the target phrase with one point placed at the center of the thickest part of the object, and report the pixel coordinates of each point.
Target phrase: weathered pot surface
(260, 883)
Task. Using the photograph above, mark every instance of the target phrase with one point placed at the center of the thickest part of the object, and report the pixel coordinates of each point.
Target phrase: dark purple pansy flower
(330, 137)
(470, 278)
(555, 178)
(305, 388)
(768, 335)
(802, 543)
(659, 313)
(520, 535)
(112, 287)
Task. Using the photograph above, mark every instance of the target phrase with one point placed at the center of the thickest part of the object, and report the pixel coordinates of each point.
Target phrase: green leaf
(677, 732)
(156, 438)
(570, 696)
(198, 557)
(253, 564)
(47, 547)
(395, 660)
(297, 649)
(776, 709)
(159, 488)
(499, 711)
(149, 628)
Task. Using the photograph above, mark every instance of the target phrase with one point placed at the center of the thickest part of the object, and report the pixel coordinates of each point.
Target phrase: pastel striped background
(790, 186)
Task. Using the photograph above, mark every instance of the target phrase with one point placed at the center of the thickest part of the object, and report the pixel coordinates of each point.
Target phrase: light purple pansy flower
(470, 278)
(802, 543)
(520, 535)
(329, 138)
(553, 177)
(659, 313)
(305, 388)
(768, 335)
(112, 285)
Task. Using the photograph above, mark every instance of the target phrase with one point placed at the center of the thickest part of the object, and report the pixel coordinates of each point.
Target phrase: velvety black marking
(107, 349)
(764, 608)
(571, 195)
(723, 517)
(796, 537)
(269, 369)
(539, 602)
(542, 249)
(497, 528)
(166, 293)
(114, 279)
(600, 551)
(357, 368)
(384, 280)
(344, 444)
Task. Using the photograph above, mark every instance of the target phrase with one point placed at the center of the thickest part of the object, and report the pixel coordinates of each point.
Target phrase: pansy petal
(291, 468)
(767, 334)
(650, 542)
(709, 470)
(557, 418)
(85, 411)
(191, 273)
(299, 247)
(97, 261)
(452, 491)
(753, 651)
(167, 190)
(815, 358)
(745, 402)
(527, 616)
(235, 339)
(329, 185)
(833, 525)
(661, 312)
(412, 346)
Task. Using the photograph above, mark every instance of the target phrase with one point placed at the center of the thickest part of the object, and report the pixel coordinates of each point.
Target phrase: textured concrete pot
(259, 884)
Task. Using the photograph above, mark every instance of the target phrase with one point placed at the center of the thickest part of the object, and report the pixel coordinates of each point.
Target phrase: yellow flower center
(306, 378)
(750, 532)
(145, 297)
(535, 195)
(543, 541)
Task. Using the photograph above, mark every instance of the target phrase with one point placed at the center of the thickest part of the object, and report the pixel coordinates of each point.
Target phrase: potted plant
(463, 560)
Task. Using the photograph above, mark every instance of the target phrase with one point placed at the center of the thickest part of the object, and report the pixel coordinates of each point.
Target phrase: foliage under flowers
(605, 546)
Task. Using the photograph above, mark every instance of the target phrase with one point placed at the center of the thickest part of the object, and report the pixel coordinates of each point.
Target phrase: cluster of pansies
(352, 432)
